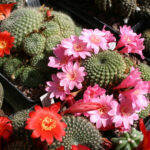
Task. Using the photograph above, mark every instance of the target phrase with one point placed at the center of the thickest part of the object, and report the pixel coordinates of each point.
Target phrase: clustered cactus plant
(35, 36)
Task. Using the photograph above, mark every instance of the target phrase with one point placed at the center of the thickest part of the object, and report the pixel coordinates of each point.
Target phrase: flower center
(103, 110)
(95, 39)
(3, 44)
(77, 47)
(48, 124)
(72, 76)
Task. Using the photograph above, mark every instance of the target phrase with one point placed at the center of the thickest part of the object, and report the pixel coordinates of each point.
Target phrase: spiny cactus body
(145, 71)
(31, 77)
(104, 68)
(128, 141)
(145, 113)
(34, 44)
(79, 131)
(146, 35)
(22, 22)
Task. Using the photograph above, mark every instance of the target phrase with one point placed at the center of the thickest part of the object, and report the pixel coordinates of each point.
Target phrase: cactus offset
(105, 68)
(79, 131)
(128, 141)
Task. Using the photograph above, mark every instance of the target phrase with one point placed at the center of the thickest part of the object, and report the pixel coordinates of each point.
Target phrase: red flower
(75, 147)
(146, 140)
(46, 123)
(5, 10)
(6, 43)
(6, 128)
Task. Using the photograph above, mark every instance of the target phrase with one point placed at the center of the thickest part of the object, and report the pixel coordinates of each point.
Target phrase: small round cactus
(145, 71)
(31, 77)
(22, 22)
(105, 68)
(79, 131)
(11, 65)
(128, 141)
(34, 44)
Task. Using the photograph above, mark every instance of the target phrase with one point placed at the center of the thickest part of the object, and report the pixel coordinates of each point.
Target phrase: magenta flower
(54, 88)
(101, 116)
(60, 60)
(130, 41)
(95, 39)
(93, 92)
(131, 80)
(75, 47)
(72, 76)
(123, 115)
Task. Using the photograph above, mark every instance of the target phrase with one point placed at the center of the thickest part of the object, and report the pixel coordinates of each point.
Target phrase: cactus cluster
(35, 37)
(128, 141)
(79, 131)
(105, 68)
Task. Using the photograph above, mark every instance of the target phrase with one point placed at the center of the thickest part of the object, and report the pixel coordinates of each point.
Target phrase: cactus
(128, 141)
(2, 61)
(145, 113)
(1, 95)
(31, 77)
(145, 71)
(34, 44)
(105, 68)
(103, 5)
(11, 65)
(22, 22)
(79, 131)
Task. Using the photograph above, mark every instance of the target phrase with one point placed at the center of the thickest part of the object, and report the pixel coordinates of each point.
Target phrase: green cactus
(145, 113)
(17, 73)
(40, 62)
(145, 71)
(78, 30)
(1, 95)
(105, 68)
(34, 44)
(22, 22)
(79, 131)
(31, 77)
(51, 42)
(11, 65)
(2, 61)
(129, 62)
(128, 141)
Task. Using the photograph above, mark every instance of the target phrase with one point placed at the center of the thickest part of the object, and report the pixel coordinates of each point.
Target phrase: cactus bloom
(6, 128)
(46, 123)
(6, 43)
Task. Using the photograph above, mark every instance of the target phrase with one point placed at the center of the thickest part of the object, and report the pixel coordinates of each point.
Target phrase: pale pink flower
(54, 88)
(123, 115)
(130, 41)
(93, 92)
(60, 60)
(95, 39)
(101, 116)
(72, 76)
(75, 47)
(131, 80)
(137, 95)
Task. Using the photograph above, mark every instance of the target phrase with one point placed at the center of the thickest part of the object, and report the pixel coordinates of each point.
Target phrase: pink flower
(93, 92)
(131, 42)
(60, 60)
(131, 80)
(54, 88)
(75, 47)
(101, 116)
(123, 115)
(137, 95)
(72, 76)
(95, 39)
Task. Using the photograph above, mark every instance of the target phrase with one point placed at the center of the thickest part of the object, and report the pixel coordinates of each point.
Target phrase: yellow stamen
(3, 44)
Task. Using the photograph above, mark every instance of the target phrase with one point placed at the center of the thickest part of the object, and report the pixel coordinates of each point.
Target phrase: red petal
(60, 148)
(55, 107)
(82, 147)
(142, 126)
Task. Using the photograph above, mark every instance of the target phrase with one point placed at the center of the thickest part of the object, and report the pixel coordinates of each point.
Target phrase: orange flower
(6, 43)
(146, 141)
(5, 10)
(6, 128)
(46, 123)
